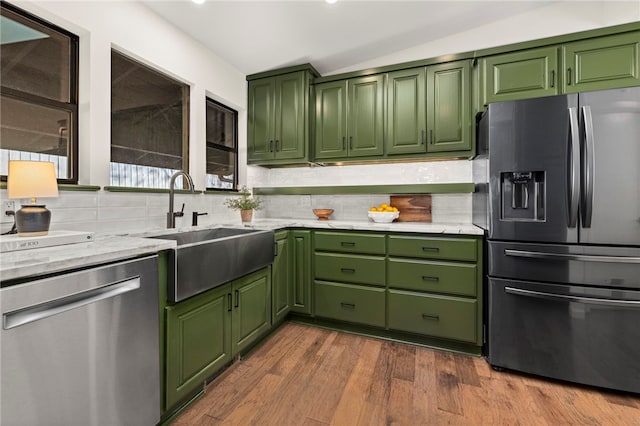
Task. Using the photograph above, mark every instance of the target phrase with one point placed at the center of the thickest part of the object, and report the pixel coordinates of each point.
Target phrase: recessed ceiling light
(198, 1)
(331, 1)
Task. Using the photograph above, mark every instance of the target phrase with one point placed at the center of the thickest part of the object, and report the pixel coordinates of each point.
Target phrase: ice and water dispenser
(522, 196)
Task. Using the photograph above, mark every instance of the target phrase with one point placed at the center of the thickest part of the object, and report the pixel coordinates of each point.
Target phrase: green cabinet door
(449, 107)
(406, 111)
(291, 109)
(251, 309)
(520, 75)
(198, 342)
(352, 303)
(261, 119)
(280, 281)
(602, 63)
(300, 269)
(331, 120)
(365, 116)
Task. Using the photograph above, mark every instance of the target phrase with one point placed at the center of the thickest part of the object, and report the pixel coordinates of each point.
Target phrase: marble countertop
(105, 248)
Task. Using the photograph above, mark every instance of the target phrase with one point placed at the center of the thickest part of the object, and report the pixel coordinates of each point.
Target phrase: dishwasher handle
(57, 306)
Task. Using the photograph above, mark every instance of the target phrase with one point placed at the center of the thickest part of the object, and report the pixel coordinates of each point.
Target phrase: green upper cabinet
(449, 107)
(278, 118)
(406, 111)
(602, 63)
(519, 75)
(349, 118)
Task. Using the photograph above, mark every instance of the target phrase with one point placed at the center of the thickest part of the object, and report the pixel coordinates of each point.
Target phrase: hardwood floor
(310, 376)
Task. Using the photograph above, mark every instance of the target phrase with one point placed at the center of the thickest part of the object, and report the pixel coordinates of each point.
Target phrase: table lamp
(32, 179)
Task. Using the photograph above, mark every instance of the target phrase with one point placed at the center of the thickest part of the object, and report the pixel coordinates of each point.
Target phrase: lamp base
(33, 220)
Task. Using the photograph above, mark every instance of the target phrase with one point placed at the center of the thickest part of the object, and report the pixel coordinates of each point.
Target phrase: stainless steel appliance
(559, 196)
(82, 348)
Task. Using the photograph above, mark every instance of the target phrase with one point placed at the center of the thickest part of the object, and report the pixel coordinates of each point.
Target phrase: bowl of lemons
(383, 214)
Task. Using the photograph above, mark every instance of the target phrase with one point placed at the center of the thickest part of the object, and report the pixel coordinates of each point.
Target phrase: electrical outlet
(6, 206)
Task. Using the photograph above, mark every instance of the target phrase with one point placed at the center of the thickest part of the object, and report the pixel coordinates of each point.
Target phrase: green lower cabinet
(437, 277)
(459, 249)
(198, 342)
(251, 309)
(350, 268)
(300, 269)
(352, 303)
(433, 315)
(280, 279)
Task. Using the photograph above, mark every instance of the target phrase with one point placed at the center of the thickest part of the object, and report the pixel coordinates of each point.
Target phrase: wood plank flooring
(304, 375)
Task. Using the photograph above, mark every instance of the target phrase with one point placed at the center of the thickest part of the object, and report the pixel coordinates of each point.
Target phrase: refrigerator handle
(588, 167)
(573, 175)
(568, 298)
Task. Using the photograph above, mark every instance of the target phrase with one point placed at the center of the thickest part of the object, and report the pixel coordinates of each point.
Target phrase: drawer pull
(348, 305)
(430, 278)
(431, 249)
(347, 244)
(431, 317)
(348, 270)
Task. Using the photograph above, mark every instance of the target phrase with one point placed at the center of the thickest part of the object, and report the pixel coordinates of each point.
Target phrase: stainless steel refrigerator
(558, 192)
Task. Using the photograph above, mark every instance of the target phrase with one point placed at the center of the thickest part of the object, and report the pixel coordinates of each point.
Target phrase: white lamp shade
(31, 179)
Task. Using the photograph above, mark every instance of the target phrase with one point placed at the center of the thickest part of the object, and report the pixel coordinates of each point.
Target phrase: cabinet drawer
(439, 277)
(433, 248)
(350, 242)
(350, 268)
(353, 303)
(438, 316)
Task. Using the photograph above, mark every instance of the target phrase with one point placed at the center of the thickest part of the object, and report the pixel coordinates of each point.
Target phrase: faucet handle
(180, 213)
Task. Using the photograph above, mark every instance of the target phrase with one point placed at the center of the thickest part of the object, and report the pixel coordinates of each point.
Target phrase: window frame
(27, 18)
(225, 148)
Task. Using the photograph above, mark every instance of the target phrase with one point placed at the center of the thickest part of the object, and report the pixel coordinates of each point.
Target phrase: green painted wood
(602, 63)
(291, 140)
(287, 70)
(449, 107)
(352, 303)
(406, 112)
(261, 119)
(281, 291)
(427, 188)
(251, 309)
(65, 187)
(147, 190)
(436, 277)
(463, 249)
(433, 315)
(331, 120)
(365, 116)
(301, 271)
(350, 242)
(520, 75)
(198, 342)
(350, 268)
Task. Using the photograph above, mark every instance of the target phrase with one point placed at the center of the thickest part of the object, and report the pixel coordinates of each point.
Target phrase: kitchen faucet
(171, 215)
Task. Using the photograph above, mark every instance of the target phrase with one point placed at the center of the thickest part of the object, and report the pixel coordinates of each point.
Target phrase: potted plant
(245, 204)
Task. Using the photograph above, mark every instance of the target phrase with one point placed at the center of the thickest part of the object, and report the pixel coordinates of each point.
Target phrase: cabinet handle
(347, 244)
(270, 146)
(431, 249)
(553, 78)
(350, 142)
(431, 317)
(431, 136)
(344, 141)
(422, 138)
(569, 76)
(348, 305)
(237, 298)
(430, 278)
(277, 143)
(348, 270)
(275, 249)
(229, 302)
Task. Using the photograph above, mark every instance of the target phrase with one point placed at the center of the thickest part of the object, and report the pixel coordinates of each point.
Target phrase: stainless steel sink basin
(208, 258)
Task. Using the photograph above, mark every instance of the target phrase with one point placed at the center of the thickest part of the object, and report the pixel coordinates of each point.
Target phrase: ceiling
(256, 36)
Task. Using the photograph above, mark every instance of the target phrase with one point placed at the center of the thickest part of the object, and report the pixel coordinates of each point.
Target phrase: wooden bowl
(323, 214)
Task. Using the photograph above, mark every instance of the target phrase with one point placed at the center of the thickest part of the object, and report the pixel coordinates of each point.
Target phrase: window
(149, 125)
(222, 146)
(38, 93)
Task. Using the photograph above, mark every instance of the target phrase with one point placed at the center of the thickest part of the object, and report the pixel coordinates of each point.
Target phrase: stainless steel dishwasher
(82, 348)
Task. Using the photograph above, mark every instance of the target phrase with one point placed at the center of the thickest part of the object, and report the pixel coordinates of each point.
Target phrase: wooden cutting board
(413, 208)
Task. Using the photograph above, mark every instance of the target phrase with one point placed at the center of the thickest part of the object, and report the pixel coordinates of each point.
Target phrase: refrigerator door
(610, 203)
(580, 334)
(534, 164)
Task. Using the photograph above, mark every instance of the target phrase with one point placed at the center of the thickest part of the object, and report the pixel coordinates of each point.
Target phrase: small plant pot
(246, 215)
